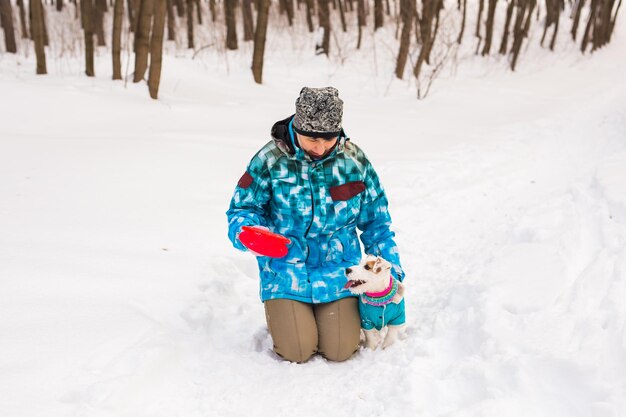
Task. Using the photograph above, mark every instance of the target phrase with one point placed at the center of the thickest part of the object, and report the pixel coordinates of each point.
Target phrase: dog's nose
(348, 270)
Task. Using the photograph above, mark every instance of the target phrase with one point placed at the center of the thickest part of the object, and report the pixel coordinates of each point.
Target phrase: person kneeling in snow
(311, 184)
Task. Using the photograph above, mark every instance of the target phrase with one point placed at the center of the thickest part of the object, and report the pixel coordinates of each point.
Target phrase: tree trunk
(36, 11)
(360, 11)
(6, 20)
(180, 8)
(521, 31)
(20, 5)
(406, 13)
(378, 14)
(131, 14)
(87, 19)
(171, 21)
(59, 5)
(324, 19)
(614, 19)
(491, 11)
(259, 40)
(460, 38)
(190, 41)
(231, 24)
(309, 14)
(116, 41)
(430, 12)
(101, 7)
(156, 47)
(290, 11)
(481, 6)
(213, 12)
(342, 16)
(559, 5)
(579, 5)
(199, 12)
(248, 23)
(142, 39)
(504, 45)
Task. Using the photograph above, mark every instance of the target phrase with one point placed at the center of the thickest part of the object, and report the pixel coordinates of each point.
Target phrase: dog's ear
(381, 264)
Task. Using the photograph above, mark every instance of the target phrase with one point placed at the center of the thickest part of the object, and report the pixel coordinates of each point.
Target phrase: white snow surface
(120, 294)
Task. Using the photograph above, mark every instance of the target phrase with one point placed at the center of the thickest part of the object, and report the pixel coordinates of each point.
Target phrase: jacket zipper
(306, 234)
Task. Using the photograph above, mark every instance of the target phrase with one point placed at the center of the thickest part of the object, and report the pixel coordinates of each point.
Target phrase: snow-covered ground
(120, 294)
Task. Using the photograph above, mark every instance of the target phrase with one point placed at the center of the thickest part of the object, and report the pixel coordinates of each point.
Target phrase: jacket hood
(280, 135)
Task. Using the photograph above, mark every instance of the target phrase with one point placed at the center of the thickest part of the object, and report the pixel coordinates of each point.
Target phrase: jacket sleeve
(249, 205)
(374, 221)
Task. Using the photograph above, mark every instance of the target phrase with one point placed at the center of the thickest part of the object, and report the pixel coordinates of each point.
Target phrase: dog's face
(371, 275)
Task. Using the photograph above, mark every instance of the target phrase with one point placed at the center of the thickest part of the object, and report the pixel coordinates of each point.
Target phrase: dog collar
(381, 298)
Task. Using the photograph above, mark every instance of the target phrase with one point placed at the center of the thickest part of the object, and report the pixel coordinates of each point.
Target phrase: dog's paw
(372, 339)
(388, 342)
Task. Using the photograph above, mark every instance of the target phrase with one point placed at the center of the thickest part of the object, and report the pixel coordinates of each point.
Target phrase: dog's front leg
(372, 338)
(392, 335)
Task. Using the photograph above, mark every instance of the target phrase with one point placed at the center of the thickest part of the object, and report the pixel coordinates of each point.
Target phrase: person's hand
(250, 250)
(267, 243)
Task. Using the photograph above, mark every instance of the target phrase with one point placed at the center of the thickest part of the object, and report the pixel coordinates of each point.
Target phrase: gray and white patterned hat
(318, 112)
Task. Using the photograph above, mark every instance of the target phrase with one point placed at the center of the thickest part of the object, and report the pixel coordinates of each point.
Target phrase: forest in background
(426, 33)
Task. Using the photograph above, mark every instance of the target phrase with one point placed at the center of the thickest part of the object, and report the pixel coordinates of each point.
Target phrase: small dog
(381, 301)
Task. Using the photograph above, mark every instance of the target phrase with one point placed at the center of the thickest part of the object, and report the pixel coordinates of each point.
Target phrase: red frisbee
(264, 242)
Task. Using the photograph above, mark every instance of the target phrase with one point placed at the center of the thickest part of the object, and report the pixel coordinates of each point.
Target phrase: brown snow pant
(299, 330)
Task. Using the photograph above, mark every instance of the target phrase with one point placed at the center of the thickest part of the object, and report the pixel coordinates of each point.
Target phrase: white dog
(381, 301)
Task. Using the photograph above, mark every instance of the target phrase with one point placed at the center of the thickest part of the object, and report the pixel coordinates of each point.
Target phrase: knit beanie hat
(318, 112)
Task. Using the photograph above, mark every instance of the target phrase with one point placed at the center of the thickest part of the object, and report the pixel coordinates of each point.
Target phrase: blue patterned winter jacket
(318, 204)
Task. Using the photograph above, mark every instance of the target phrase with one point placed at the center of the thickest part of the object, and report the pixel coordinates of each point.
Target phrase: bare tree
(259, 40)
(507, 27)
(156, 47)
(100, 9)
(481, 6)
(180, 8)
(553, 11)
(407, 13)
(578, 8)
(378, 14)
(324, 19)
(287, 6)
(116, 41)
(464, 7)
(342, 16)
(522, 25)
(87, 20)
(6, 20)
(212, 8)
(491, 11)
(360, 11)
(231, 24)
(309, 14)
(248, 23)
(20, 5)
(190, 39)
(171, 21)
(37, 29)
(199, 12)
(428, 25)
(142, 39)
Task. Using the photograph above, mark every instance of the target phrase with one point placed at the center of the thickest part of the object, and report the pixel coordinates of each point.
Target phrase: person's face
(316, 148)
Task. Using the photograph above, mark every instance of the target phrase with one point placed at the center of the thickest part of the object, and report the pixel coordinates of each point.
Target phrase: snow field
(120, 294)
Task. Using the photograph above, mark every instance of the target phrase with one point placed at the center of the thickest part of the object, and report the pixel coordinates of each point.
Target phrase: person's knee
(339, 329)
(297, 349)
(293, 330)
(343, 351)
